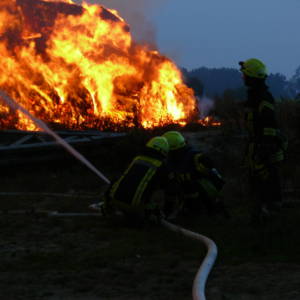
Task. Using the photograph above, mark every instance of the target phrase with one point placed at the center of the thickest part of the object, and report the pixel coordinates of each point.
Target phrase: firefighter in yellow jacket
(194, 182)
(132, 192)
(266, 144)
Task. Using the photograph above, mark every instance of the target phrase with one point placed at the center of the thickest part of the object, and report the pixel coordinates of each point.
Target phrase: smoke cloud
(205, 106)
(136, 13)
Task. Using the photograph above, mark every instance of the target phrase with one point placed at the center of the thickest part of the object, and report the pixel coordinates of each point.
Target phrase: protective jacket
(266, 143)
(194, 172)
(132, 192)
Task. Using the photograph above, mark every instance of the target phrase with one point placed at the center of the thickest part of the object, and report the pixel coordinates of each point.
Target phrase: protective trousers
(266, 186)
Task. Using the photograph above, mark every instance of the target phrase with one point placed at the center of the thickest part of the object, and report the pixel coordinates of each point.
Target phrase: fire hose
(208, 262)
(14, 105)
(200, 279)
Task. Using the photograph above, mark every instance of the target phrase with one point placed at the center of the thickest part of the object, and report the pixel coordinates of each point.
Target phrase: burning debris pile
(78, 67)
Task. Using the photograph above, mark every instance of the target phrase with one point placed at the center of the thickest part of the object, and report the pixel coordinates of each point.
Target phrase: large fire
(78, 67)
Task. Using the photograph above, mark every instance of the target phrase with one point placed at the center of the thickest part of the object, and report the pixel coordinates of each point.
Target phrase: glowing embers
(209, 121)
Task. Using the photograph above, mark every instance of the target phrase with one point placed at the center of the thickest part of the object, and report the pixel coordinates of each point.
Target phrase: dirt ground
(76, 258)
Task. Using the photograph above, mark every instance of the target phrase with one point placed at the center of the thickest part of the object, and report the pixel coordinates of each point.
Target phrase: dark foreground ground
(94, 258)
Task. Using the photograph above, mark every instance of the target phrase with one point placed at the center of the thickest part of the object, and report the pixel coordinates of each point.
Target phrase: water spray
(209, 260)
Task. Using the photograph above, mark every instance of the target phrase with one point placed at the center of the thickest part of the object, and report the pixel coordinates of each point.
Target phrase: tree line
(213, 82)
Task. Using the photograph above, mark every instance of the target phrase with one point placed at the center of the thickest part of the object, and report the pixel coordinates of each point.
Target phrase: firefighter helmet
(254, 68)
(175, 139)
(159, 144)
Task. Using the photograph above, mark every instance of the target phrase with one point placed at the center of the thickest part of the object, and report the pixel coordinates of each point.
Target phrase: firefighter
(266, 144)
(194, 182)
(132, 192)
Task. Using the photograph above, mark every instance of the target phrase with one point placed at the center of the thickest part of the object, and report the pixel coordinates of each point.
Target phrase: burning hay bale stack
(77, 66)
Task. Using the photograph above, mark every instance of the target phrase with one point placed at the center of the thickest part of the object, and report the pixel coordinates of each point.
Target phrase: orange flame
(77, 66)
(209, 121)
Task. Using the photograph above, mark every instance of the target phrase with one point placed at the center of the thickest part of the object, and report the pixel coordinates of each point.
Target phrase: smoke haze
(205, 106)
(135, 13)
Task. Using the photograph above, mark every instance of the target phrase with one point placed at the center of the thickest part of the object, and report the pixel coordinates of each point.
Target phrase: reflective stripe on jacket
(195, 172)
(265, 139)
(136, 182)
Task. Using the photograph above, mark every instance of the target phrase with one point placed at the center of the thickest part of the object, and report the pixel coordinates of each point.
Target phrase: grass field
(98, 258)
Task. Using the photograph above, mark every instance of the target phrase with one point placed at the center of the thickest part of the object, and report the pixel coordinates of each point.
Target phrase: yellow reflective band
(153, 162)
(249, 116)
(249, 122)
(199, 166)
(278, 156)
(117, 183)
(259, 166)
(115, 186)
(184, 177)
(210, 189)
(142, 186)
(270, 131)
(249, 159)
(265, 104)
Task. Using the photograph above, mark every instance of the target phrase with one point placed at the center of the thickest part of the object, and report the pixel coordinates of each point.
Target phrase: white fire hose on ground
(207, 263)
(209, 260)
